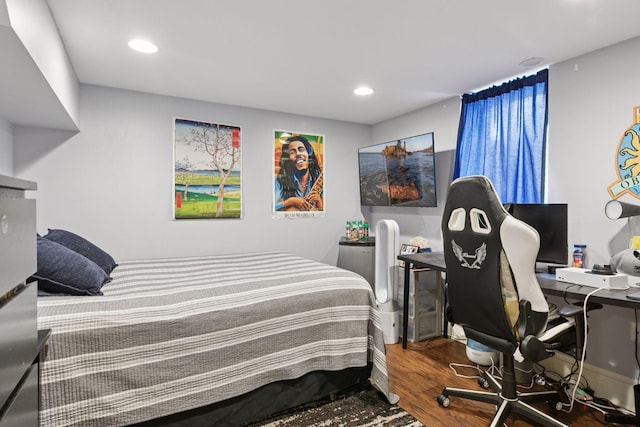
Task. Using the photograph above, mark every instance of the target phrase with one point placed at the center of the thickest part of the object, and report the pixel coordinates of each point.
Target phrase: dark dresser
(19, 343)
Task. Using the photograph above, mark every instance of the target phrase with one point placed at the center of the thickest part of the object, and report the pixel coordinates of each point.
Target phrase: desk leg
(405, 308)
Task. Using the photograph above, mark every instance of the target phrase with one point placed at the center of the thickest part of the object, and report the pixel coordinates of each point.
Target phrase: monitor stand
(548, 268)
(551, 268)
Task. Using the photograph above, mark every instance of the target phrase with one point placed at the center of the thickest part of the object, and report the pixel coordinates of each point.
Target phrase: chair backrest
(490, 258)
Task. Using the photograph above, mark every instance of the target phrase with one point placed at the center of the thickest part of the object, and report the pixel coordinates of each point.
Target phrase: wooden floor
(419, 373)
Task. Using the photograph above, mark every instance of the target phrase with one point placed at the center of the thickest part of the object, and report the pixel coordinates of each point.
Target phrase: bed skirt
(268, 400)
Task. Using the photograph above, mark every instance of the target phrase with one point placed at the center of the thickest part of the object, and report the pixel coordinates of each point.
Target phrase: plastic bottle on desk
(353, 233)
(366, 229)
(579, 255)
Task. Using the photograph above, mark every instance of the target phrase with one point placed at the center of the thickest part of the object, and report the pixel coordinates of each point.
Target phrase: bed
(184, 336)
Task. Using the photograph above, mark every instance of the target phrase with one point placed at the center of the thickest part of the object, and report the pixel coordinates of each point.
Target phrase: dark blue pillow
(63, 271)
(83, 247)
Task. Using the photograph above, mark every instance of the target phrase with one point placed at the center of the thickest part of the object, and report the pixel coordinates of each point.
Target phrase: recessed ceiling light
(531, 62)
(143, 46)
(363, 90)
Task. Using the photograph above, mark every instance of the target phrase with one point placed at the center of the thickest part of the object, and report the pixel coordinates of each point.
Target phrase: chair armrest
(570, 310)
(533, 349)
(575, 309)
(447, 309)
(525, 324)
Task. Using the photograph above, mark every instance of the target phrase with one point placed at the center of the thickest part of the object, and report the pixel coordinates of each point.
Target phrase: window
(502, 135)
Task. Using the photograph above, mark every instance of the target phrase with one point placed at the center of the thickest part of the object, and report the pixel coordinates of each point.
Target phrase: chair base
(519, 405)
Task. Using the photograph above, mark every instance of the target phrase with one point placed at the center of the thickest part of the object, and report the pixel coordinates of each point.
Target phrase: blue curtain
(502, 134)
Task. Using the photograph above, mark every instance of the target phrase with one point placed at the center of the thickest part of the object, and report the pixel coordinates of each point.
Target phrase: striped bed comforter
(176, 334)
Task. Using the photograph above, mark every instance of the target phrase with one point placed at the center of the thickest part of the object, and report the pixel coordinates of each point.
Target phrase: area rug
(365, 408)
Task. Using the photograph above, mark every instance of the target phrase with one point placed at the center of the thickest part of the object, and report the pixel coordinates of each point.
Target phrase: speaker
(615, 209)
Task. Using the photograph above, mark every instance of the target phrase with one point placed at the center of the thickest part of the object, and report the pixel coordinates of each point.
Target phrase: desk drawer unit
(18, 338)
(423, 326)
(22, 411)
(424, 311)
(18, 258)
(18, 305)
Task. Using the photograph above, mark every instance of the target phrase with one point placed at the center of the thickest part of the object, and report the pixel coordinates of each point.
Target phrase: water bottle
(579, 255)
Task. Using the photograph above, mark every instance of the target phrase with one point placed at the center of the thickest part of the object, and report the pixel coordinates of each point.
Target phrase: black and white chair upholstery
(493, 293)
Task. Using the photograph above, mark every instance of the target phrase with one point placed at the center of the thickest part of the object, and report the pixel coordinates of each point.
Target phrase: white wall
(441, 119)
(590, 107)
(34, 25)
(112, 182)
(6, 147)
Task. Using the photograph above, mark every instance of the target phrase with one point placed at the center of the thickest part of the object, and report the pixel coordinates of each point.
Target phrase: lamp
(616, 210)
(626, 261)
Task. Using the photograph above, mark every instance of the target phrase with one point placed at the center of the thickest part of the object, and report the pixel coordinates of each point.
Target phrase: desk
(616, 297)
(548, 284)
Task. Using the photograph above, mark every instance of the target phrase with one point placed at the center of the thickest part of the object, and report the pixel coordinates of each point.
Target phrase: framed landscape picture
(399, 173)
(207, 170)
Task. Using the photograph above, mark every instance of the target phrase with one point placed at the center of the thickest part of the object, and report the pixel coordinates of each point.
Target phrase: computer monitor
(550, 220)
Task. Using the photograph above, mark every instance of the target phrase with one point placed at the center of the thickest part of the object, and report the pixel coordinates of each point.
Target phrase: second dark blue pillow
(83, 247)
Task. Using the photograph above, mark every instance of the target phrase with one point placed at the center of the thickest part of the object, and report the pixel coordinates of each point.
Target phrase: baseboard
(609, 385)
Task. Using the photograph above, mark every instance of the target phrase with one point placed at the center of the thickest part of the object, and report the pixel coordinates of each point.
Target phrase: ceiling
(306, 56)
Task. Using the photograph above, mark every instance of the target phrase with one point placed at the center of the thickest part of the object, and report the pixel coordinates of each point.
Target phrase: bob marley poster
(298, 185)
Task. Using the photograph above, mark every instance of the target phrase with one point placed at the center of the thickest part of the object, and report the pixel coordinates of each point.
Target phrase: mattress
(170, 335)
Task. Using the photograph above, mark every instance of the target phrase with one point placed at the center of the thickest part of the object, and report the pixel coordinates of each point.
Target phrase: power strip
(616, 387)
(579, 395)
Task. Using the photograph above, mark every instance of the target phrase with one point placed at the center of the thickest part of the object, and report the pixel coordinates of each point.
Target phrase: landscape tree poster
(207, 170)
(298, 189)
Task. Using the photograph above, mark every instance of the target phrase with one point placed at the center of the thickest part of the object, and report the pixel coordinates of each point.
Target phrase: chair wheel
(483, 382)
(443, 400)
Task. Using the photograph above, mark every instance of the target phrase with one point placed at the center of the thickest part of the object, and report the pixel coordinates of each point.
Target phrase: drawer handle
(4, 224)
